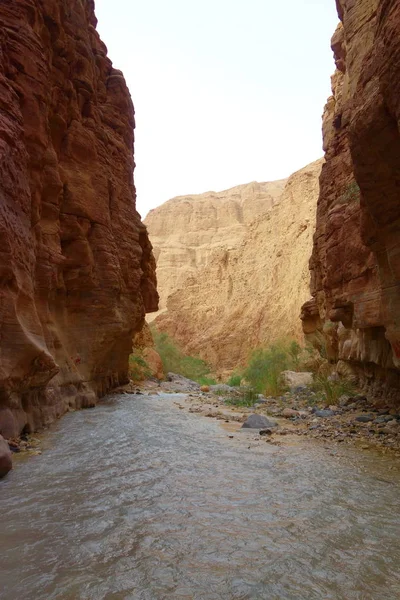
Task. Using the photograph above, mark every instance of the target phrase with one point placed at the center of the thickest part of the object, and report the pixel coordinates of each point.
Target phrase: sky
(225, 91)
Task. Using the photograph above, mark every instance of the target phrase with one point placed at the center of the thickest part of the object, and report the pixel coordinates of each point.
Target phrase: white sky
(225, 91)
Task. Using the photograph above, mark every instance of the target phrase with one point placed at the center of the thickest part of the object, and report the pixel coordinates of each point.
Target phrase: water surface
(139, 500)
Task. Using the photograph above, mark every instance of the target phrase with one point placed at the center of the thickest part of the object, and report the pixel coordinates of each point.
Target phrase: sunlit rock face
(76, 269)
(355, 265)
(255, 277)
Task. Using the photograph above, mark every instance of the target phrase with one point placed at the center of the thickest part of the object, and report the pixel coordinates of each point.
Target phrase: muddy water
(139, 500)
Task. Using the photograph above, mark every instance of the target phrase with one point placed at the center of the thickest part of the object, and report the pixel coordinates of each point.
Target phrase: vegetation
(351, 193)
(331, 388)
(265, 366)
(175, 361)
(248, 397)
(235, 380)
(138, 368)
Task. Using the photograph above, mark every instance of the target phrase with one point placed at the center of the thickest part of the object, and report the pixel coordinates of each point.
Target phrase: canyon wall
(186, 230)
(251, 289)
(76, 269)
(355, 266)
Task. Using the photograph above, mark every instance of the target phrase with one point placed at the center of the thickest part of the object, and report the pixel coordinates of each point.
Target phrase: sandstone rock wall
(185, 231)
(76, 269)
(355, 265)
(251, 294)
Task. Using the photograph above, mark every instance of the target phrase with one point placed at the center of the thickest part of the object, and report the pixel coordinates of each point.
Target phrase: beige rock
(294, 379)
(250, 292)
(290, 412)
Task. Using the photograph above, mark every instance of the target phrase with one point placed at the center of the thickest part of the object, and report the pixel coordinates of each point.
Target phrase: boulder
(292, 379)
(255, 421)
(5, 457)
(288, 413)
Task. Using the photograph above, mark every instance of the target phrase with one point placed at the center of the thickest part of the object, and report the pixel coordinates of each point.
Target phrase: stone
(355, 270)
(232, 270)
(365, 418)
(205, 388)
(296, 380)
(288, 413)
(255, 421)
(77, 271)
(5, 457)
(324, 413)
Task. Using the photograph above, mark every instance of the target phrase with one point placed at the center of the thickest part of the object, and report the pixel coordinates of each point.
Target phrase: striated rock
(250, 295)
(355, 266)
(76, 268)
(186, 230)
(5, 458)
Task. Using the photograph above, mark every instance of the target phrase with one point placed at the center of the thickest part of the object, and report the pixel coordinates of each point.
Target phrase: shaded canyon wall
(355, 264)
(76, 269)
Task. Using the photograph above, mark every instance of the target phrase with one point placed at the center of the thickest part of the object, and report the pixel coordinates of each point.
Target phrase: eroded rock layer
(355, 265)
(76, 269)
(186, 230)
(250, 294)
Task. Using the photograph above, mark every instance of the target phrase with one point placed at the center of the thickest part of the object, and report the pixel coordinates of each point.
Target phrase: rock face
(250, 294)
(355, 265)
(187, 230)
(5, 457)
(76, 269)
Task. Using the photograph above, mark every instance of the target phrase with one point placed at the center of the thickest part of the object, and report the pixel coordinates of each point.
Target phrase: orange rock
(76, 268)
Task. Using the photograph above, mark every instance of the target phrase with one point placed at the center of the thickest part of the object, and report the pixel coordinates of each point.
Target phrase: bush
(265, 367)
(248, 397)
(138, 368)
(235, 380)
(331, 389)
(175, 361)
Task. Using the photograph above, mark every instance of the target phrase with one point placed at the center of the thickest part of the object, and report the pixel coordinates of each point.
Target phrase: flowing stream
(139, 500)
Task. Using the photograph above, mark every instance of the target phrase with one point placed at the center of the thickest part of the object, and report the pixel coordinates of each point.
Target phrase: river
(138, 500)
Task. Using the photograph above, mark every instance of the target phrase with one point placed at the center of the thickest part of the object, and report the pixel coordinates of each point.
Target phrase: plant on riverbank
(331, 389)
(264, 369)
(175, 361)
(235, 380)
(139, 370)
(248, 397)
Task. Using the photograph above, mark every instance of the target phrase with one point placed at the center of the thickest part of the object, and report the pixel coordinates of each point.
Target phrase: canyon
(77, 272)
(233, 267)
(355, 268)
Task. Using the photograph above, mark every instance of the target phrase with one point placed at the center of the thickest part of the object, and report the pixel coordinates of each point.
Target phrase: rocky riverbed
(353, 420)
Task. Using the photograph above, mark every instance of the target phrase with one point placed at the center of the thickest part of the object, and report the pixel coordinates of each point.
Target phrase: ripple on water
(138, 500)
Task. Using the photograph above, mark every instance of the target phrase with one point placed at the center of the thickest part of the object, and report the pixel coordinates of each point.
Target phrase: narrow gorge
(264, 464)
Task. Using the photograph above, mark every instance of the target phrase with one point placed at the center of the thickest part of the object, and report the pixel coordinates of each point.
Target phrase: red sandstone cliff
(355, 265)
(76, 268)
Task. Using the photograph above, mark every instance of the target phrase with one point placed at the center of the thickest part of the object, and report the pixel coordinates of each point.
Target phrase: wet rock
(5, 457)
(365, 418)
(258, 422)
(266, 431)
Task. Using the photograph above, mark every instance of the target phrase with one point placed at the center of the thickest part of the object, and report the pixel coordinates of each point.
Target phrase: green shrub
(265, 367)
(235, 380)
(331, 389)
(138, 368)
(175, 361)
(350, 194)
(248, 397)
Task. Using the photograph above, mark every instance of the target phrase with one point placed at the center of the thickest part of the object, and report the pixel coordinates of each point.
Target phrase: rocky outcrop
(76, 269)
(187, 230)
(5, 457)
(143, 345)
(250, 295)
(355, 266)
